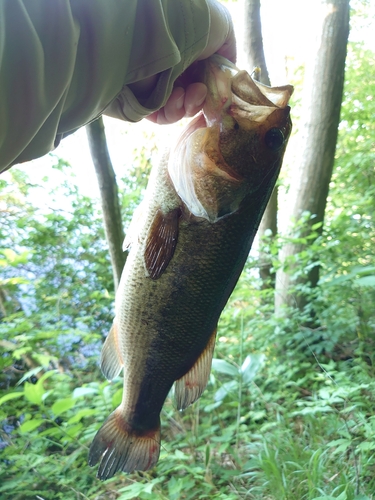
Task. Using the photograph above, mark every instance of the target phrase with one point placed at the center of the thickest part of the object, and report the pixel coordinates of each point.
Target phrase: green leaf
(62, 405)
(10, 485)
(312, 410)
(209, 408)
(51, 432)
(365, 281)
(34, 392)
(11, 395)
(363, 269)
(222, 366)
(317, 225)
(84, 391)
(326, 497)
(9, 254)
(132, 491)
(15, 281)
(117, 398)
(366, 446)
(251, 366)
(46, 375)
(30, 425)
(225, 389)
(29, 374)
(82, 413)
(340, 445)
(74, 430)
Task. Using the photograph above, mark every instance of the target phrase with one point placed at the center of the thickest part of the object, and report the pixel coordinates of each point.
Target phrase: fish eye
(274, 139)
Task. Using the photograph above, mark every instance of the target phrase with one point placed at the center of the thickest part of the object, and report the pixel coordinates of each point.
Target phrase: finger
(172, 111)
(174, 107)
(195, 96)
(153, 117)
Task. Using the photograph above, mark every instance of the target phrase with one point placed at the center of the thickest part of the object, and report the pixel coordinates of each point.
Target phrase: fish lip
(232, 92)
(218, 79)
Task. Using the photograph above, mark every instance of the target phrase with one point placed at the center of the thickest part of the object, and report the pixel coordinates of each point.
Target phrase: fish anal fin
(189, 388)
(111, 361)
(118, 447)
(161, 242)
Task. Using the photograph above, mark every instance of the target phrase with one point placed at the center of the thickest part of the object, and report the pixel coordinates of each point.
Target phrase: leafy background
(288, 412)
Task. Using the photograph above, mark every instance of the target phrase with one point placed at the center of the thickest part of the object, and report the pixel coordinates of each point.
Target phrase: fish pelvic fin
(111, 362)
(161, 242)
(118, 447)
(189, 388)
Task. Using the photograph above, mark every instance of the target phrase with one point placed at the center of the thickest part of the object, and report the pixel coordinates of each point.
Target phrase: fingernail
(180, 101)
(200, 101)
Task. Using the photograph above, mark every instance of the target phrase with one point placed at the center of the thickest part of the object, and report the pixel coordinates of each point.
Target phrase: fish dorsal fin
(111, 361)
(189, 388)
(161, 242)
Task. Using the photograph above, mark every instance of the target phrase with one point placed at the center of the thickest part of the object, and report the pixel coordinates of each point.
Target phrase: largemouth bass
(188, 241)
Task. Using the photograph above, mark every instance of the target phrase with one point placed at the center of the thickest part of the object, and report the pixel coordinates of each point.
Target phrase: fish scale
(188, 242)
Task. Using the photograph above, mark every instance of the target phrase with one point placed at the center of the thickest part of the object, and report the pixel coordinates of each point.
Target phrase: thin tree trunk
(109, 196)
(254, 51)
(321, 104)
(253, 40)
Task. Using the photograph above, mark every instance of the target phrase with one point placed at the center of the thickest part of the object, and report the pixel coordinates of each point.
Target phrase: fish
(188, 242)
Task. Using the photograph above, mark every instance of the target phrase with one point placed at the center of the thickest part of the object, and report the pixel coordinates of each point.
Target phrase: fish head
(253, 120)
(234, 148)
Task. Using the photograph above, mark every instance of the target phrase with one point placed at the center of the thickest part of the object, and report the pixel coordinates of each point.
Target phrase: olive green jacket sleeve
(65, 62)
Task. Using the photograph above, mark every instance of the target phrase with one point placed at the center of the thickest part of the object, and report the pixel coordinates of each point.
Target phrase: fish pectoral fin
(119, 447)
(111, 361)
(161, 242)
(189, 388)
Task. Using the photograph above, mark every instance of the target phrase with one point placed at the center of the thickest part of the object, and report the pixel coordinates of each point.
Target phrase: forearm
(63, 63)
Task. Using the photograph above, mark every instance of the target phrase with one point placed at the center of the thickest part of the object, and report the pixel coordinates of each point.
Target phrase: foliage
(288, 413)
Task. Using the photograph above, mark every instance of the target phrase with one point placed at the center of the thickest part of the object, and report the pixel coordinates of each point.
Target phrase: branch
(109, 196)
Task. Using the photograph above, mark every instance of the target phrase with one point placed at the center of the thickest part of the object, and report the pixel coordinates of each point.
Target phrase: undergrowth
(284, 416)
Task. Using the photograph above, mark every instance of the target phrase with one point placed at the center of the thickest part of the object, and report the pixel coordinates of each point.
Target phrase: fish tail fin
(189, 388)
(111, 361)
(119, 447)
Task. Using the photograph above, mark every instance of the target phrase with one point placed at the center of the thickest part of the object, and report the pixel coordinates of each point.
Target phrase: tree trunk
(254, 51)
(321, 104)
(253, 40)
(109, 196)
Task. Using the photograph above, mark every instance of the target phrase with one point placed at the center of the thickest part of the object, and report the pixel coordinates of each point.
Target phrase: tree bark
(253, 41)
(109, 196)
(321, 104)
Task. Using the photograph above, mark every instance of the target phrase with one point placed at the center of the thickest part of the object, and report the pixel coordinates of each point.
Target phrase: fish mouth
(232, 92)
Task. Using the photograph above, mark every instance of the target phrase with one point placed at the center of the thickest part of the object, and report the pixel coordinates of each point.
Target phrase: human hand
(188, 95)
